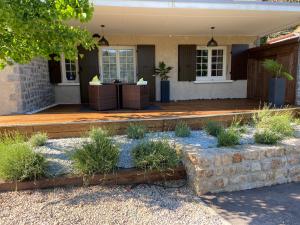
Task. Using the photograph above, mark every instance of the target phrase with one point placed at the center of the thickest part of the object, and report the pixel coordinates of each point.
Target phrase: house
(142, 33)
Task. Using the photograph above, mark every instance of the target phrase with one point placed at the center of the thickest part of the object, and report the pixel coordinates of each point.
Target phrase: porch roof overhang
(192, 17)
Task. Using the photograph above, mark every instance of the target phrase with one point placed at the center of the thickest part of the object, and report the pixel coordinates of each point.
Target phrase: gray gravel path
(106, 205)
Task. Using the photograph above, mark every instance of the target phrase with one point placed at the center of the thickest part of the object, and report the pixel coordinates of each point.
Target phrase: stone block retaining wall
(242, 167)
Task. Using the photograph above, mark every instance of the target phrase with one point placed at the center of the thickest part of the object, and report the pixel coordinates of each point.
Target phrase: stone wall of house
(244, 167)
(26, 88)
(298, 79)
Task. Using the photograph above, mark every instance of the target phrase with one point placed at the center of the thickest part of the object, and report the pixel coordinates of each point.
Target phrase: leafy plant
(228, 137)
(266, 137)
(136, 131)
(38, 139)
(31, 29)
(18, 162)
(213, 128)
(276, 121)
(163, 70)
(237, 125)
(155, 155)
(182, 130)
(99, 155)
(276, 69)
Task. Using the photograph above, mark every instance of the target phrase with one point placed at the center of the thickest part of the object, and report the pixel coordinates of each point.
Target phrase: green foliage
(38, 139)
(12, 138)
(237, 125)
(182, 130)
(136, 131)
(275, 121)
(266, 137)
(213, 128)
(278, 124)
(30, 29)
(276, 69)
(163, 70)
(155, 155)
(18, 162)
(99, 155)
(228, 137)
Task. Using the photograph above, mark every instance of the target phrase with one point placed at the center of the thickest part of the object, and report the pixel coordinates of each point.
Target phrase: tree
(38, 28)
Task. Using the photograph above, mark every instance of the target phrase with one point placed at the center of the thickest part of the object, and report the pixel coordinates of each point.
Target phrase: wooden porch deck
(79, 113)
(74, 120)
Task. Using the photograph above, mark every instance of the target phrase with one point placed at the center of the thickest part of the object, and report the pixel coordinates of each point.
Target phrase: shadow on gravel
(264, 206)
(153, 196)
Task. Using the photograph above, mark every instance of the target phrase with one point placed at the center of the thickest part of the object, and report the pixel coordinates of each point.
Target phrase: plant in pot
(277, 84)
(162, 71)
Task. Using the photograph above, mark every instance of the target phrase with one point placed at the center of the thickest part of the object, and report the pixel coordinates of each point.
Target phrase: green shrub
(99, 155)
(136, 131)
(279, 123)
(237, 125)
(18, 162)
(38, 139)
(213, 128)
(12, 138)
(266, 137)
(229, 137)
(155, 155)
(182, 130)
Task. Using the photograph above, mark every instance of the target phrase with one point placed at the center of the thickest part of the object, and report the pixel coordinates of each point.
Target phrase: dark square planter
(103, 97)
(135, 96)
(277, 91)
(165, 91)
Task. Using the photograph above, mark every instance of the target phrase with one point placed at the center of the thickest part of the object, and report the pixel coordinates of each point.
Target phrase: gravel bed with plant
(57, 151)
(107, 205)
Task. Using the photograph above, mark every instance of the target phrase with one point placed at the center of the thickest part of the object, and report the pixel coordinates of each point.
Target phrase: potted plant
(277, 83)
(162, 71)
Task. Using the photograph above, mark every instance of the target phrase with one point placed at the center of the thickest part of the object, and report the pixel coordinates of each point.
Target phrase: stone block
(255, 166)
(237, 158)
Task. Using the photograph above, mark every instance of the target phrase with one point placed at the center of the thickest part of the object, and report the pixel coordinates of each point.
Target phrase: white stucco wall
(166, 49)
(67, 94)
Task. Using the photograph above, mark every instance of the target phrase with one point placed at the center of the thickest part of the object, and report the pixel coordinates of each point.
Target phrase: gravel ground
(57, 151)
(107, 205)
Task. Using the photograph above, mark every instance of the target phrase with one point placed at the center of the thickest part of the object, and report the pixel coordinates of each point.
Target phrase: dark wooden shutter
(186, 62)
(146, 66)
(88, 68)
(239, 58)
(54, 70)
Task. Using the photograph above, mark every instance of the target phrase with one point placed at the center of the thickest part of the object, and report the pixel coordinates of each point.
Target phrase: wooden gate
(284, 52)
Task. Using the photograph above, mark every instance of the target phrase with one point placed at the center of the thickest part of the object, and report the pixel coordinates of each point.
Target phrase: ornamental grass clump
(182, 130)
(38, 139)
(228, 137)
(98, 155)
(155, 155)
(136, 131)
(213, 128)
(276, 124)
(18, 161)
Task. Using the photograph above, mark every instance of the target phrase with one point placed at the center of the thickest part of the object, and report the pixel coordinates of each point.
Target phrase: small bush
(237, 125)
(268, 123)
(266, 137)
(38, 139)
(213, 128)
(136, 131)
(155, 155)
(18, 162)
(99, 155)
(229, 137)
(182, 130)
(12, 138)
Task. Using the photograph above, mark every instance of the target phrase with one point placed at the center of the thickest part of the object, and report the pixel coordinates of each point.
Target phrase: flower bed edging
(125, 176)
(242, 167)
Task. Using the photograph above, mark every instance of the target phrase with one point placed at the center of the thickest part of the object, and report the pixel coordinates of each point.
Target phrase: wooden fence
(285, 52)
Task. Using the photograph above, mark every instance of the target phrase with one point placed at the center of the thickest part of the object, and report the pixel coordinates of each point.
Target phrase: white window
(211, 63)
(118, 63)
(69, 71)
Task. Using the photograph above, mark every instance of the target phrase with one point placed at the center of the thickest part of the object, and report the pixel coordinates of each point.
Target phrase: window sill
(212, 81)
(68, 84)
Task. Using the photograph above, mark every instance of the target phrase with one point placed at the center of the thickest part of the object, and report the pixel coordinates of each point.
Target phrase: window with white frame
(211, 63)
(69, 71)
(118, 63)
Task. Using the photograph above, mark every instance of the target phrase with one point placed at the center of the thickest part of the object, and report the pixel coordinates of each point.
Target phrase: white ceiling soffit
(192, 18)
